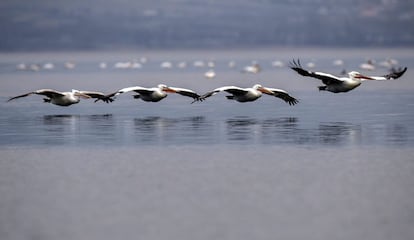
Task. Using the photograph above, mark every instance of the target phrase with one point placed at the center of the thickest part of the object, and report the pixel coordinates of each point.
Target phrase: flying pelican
(342, 84)
(65, 98)
(251, 94)
(155, 94)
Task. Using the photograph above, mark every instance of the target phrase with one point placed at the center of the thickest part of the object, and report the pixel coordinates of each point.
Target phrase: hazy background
(177, 24)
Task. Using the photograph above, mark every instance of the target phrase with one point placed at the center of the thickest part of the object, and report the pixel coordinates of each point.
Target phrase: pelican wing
(230, 89)
(50, 93)
(282, 94)
(394, 74)
(135, 89)
(124, 90)
(325, 77)
(98, 96)
(186, 92)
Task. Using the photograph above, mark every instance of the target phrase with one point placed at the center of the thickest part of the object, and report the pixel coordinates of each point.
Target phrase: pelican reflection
(336, 133)
(264, 131)
(107, 128)
(77, 129)
(174, 130)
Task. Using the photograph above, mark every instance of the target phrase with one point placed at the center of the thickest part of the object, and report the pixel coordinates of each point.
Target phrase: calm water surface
(360, 119)
(335, 166)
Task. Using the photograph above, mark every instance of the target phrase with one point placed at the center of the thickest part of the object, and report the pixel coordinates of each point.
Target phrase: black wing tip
(400, 71)
(297, 67)
(197, 99)
(20, 96)
(292, 101)
(206, 95)
(396, 73)
(295, 64)
(105, 99)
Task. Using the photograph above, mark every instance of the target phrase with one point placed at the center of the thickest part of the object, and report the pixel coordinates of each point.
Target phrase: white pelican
(210, 74)
(155, 94)
(166, 65)
(21, 66)
(278, 63)
(254, 68)
(65, 98)
(251, 94)
(338, 62)
(70, 65)
(182, 64)
(103, 65)
(369, 65)
(48, 66)
(135, 64)
(199, 63)
(211, 64)
(342, 84)
(389, 63)
(34, 67)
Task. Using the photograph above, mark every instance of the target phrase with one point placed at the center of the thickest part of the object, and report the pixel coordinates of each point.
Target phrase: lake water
(335, 166)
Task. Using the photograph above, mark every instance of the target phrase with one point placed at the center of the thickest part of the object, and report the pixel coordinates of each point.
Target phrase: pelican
(155, 94)
(65, 98)
(342, 84)
(70, 65)
(368, 65)
(278, 63)
(251, 94)
(254, 68)
(210, 74)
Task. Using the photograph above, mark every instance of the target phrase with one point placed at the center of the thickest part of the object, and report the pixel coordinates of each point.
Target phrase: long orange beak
(265, 90)
(82, 95)
(363, 77)
(169, 90)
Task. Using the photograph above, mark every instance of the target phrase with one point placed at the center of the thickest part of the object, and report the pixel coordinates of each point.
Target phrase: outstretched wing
(230, 89)
(394, 74)
(187, 93)
(137, 89)
(98, 96)
(325, 77)
(50, 93)
(282, 94)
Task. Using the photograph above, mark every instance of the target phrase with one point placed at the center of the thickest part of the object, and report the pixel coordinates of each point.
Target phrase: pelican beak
(169, 90)
(82, 95)
(360, 76)
(265, 90)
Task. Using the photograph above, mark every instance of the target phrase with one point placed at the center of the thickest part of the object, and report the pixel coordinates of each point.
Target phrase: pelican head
(354, 75)
(257, 86)
(262, 89)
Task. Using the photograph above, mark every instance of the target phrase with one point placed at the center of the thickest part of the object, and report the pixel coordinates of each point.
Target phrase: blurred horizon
(184, 24)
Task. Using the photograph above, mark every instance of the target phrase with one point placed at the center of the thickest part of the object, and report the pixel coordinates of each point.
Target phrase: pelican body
(251, 94)
(65, 99)
(156, 94)
(336, 84)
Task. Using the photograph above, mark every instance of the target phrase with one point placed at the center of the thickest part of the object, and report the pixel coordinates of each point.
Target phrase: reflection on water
(172, 130)
(339, 132)
(265, 131)
(84, 130)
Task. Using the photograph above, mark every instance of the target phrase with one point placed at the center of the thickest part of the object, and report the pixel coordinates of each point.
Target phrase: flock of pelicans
(331, 83)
